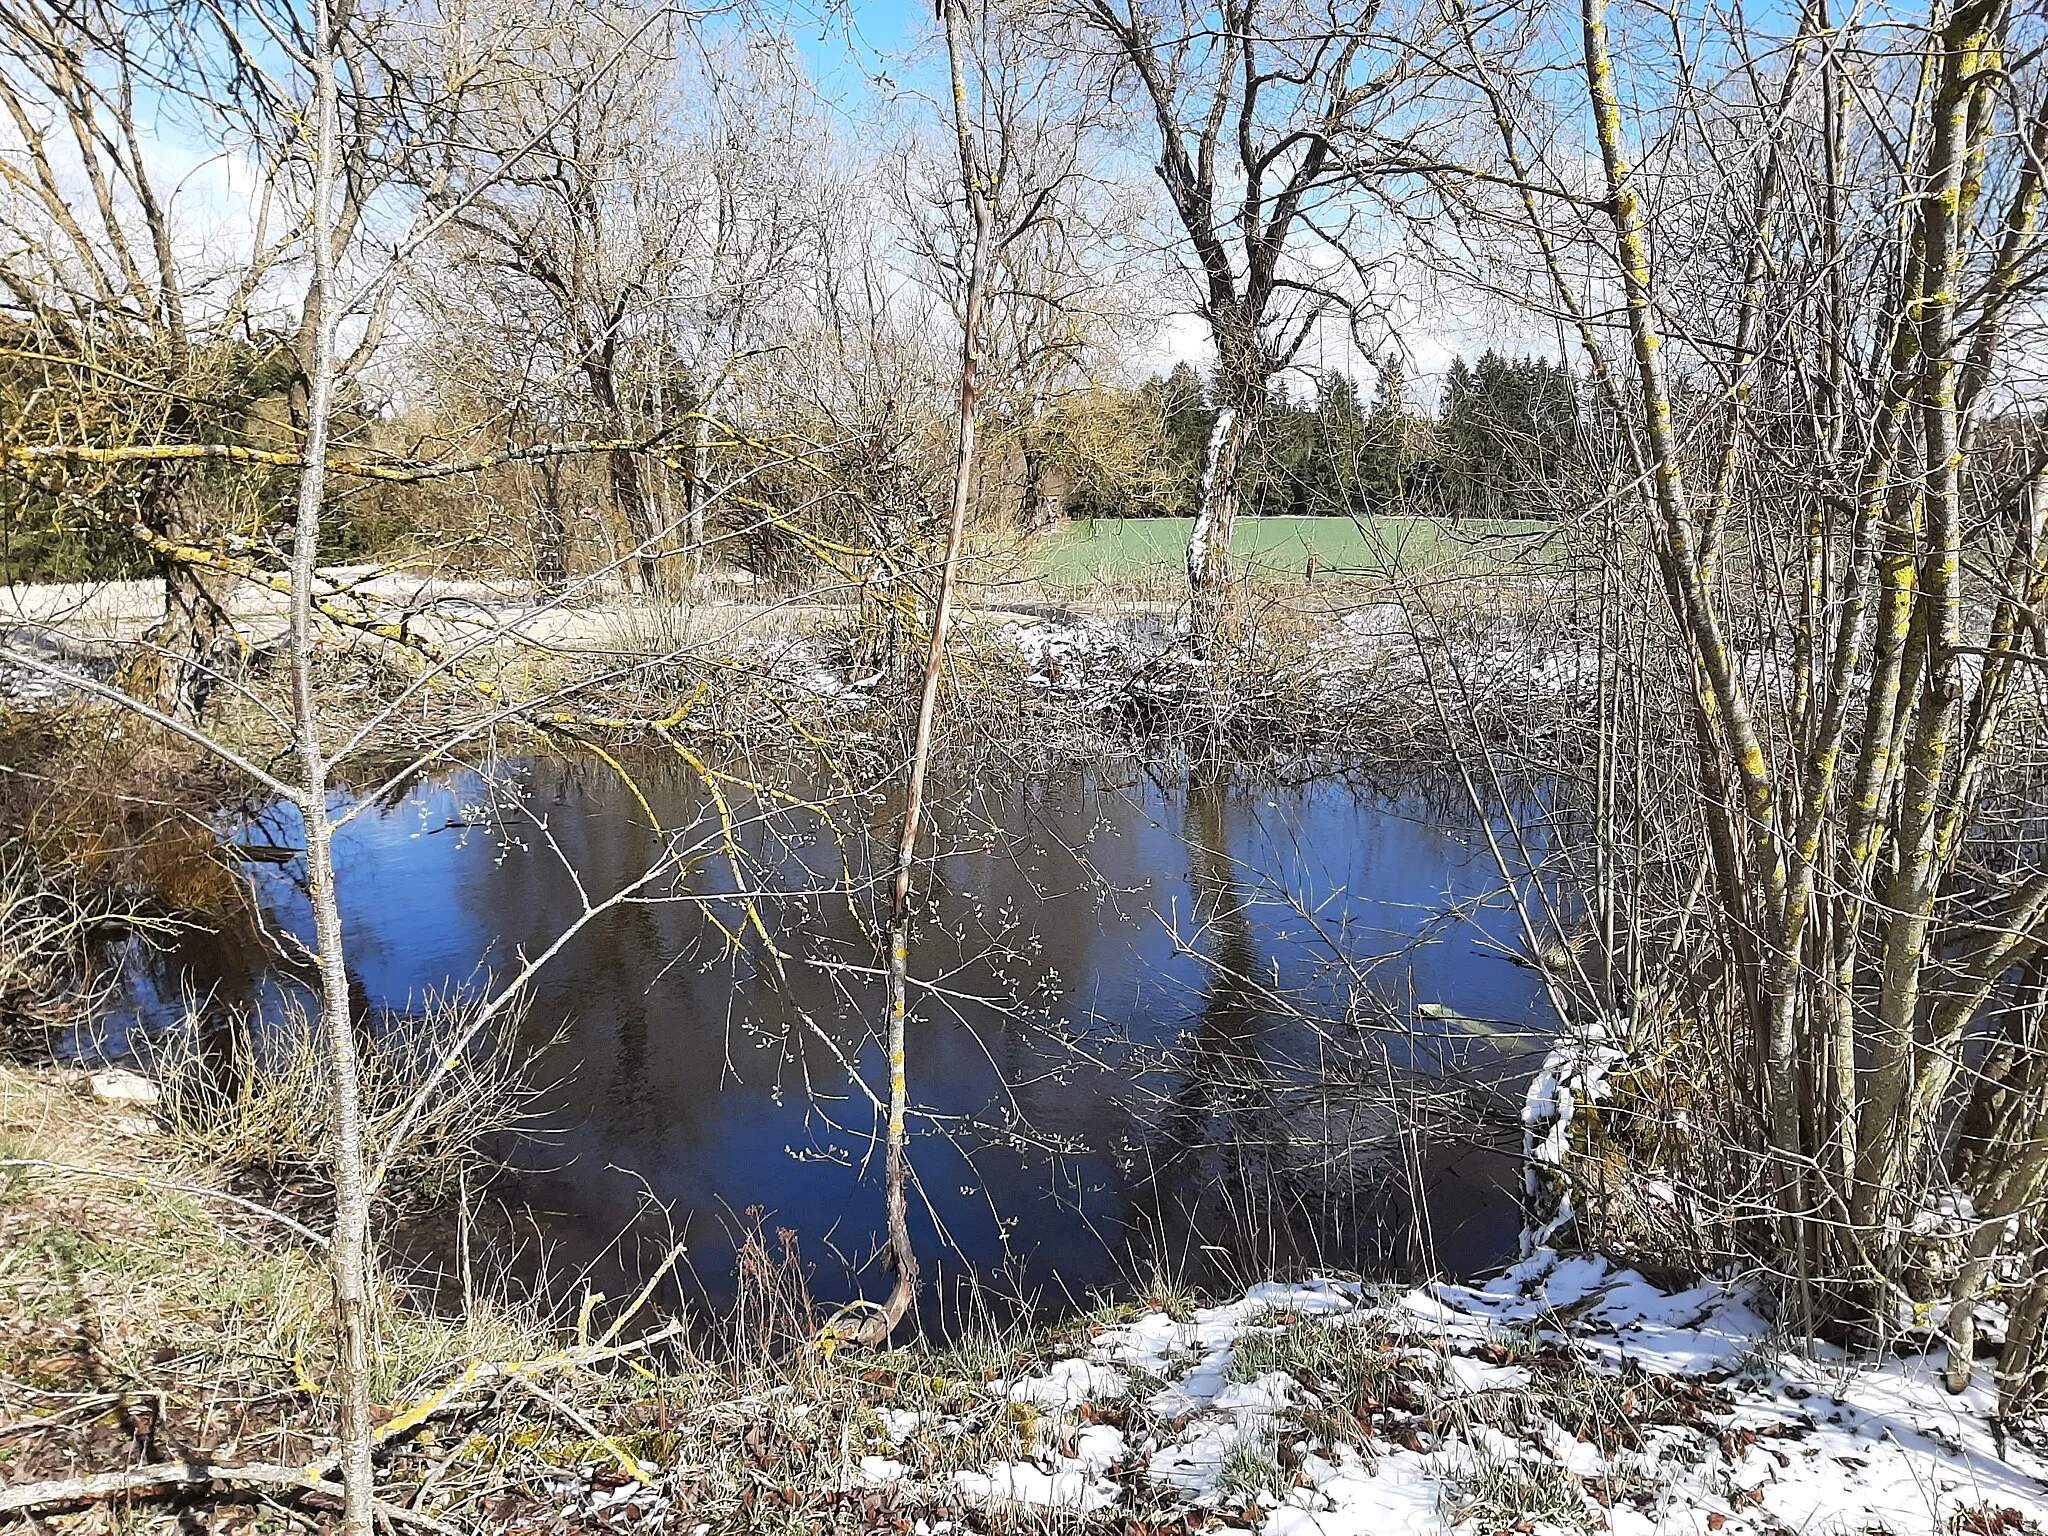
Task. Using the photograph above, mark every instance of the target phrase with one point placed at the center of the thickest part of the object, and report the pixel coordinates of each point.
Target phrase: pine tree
(1183, 406)
(1336, 486)
(1281, 468)
(1387, 464)
(1507, 435)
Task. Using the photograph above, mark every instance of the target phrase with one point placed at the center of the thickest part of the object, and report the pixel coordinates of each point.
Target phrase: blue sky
(863, 54)
(849, 45)
(864, 57)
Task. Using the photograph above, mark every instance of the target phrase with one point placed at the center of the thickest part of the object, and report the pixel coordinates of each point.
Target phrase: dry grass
(127, 1301)
(104, 1238)
(140, 1322)
(102, 830)
(119, 807)
(253, 1094)
(46, 920)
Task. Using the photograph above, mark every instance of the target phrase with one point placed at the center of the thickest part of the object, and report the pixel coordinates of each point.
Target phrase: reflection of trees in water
(1221, 1072)
(696, 1067)
(1276, 1146)
(631, 938)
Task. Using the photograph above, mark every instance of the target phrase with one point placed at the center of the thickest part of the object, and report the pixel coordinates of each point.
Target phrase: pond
(1163, 1023)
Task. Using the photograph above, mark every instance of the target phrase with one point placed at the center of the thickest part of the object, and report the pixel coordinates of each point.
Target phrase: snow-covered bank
(1324, 660)
(1564, 1395)
(1136, 661)
(1093, 661)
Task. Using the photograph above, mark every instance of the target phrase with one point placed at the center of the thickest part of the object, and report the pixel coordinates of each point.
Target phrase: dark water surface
(1167, 1020)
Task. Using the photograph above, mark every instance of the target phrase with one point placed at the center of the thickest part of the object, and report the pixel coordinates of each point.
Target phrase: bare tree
(584, 231)
(979, 191)
(318, 112)
(629, 266)
(1271, 118)
(125, 329)
(760, 228)
(1069, 288)
(348, 1248)
(1845, 506)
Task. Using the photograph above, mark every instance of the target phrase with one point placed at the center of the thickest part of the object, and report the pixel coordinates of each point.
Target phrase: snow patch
(1698, 1421)
(1070, 1383)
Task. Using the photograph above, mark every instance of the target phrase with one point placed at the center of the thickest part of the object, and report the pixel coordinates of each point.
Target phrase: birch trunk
(1215, 517)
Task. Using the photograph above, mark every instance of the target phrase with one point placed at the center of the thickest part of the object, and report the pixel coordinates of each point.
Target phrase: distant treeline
(1508, 439)
(1502, 443)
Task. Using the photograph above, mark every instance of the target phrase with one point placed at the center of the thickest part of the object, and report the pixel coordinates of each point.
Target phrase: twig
(627, 1464)
(150, 1181)
(116, 696)
(478, 1372)
(171, 1476)
(92, 1401)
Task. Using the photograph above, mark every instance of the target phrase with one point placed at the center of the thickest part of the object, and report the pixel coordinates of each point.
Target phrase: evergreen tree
(1386, 466)
(1182, 404)
(1282, 466)
(1335, 477)
(1508, 430)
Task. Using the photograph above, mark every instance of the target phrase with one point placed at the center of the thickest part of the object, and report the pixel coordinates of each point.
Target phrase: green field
(1279, 547)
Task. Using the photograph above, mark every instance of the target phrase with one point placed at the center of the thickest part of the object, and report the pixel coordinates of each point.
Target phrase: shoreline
(1565, 1394)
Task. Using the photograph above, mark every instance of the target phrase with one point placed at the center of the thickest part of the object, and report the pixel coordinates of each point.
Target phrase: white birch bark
(1213, 490)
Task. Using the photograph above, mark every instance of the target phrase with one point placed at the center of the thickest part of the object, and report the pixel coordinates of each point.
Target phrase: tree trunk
(698, 487)
(1040, 506)
(348, 1254)
(194, 645)
(630, 498)
(629, 494)
(1215, 517)
(551, 533)
(1031, 498)
(878, 1327)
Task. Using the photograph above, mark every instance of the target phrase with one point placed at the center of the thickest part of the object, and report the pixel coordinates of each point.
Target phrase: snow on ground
(24, 688)
(1103, 661)
(1563, 1395)
(33, 669)
(1099, 662)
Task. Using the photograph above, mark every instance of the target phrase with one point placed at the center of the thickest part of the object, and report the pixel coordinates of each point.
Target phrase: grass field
(1279, 547)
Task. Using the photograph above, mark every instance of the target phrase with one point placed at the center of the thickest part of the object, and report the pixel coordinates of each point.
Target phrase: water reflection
(1151, 1025)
